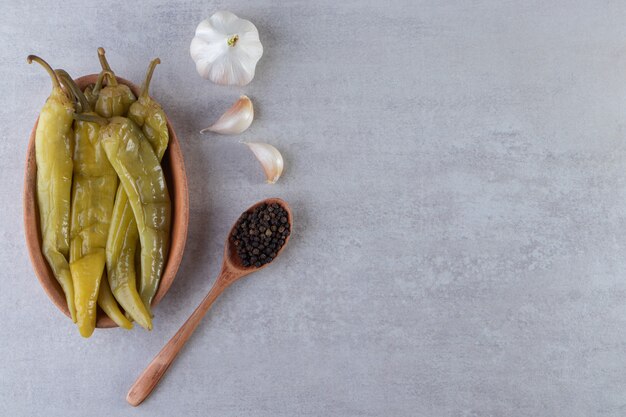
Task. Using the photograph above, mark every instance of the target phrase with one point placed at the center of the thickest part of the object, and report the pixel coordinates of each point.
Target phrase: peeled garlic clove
(270, 159)
(236, 119)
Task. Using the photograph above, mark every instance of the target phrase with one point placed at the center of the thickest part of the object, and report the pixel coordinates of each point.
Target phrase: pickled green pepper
(149, 115)
(107, 303)
(120, 253)
(85, 142)
(141, 175)
(53, 155)
(93, 195)
(114, 99)
(123, 234)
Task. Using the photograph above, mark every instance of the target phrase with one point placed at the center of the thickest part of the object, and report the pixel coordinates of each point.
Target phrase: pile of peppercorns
(259, 234)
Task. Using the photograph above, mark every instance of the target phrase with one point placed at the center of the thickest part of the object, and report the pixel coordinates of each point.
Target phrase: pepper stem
(98, 85)
(105, 65)
(69, 83)
(108, 75)
(91, 118)
(55, 80)
(146, 83)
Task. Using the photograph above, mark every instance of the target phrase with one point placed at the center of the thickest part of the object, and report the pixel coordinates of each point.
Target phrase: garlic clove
(270, 158)
(236, 119)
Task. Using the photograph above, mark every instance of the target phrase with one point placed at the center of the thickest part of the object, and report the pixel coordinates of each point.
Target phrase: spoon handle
(151, 376)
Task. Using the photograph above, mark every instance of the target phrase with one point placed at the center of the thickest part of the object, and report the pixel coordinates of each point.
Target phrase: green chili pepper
(53, 154)
(122, 243)
(93, 195)
(107, 302)
(141, 175)
(114, 99)
(105, 298)
(120, 252)
(149, 115)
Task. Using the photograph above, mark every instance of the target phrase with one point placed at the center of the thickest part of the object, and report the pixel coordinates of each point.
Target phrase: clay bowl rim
(176, 178)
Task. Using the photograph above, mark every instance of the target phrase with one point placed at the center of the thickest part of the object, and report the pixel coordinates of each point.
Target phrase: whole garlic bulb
(226, 49)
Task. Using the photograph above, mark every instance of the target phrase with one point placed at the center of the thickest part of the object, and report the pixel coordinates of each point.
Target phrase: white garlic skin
(226, 49)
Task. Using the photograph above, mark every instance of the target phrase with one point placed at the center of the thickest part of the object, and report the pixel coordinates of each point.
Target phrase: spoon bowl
(231, 260)
(232, 270)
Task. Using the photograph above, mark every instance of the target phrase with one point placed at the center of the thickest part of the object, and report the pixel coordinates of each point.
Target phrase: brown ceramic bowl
(174, 169)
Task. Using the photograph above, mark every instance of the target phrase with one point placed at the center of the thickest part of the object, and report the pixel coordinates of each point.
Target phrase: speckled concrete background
(458, 175)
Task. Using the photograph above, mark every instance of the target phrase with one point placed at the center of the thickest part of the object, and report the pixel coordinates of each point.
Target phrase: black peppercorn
(259, 234)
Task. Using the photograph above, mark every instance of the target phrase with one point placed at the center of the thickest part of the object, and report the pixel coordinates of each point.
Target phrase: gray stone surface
(457, 171)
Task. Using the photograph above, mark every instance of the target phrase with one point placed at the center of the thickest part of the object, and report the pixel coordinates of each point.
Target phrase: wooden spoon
(232, 270)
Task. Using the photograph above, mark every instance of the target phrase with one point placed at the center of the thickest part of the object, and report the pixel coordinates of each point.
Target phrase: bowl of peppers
(106, 202)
